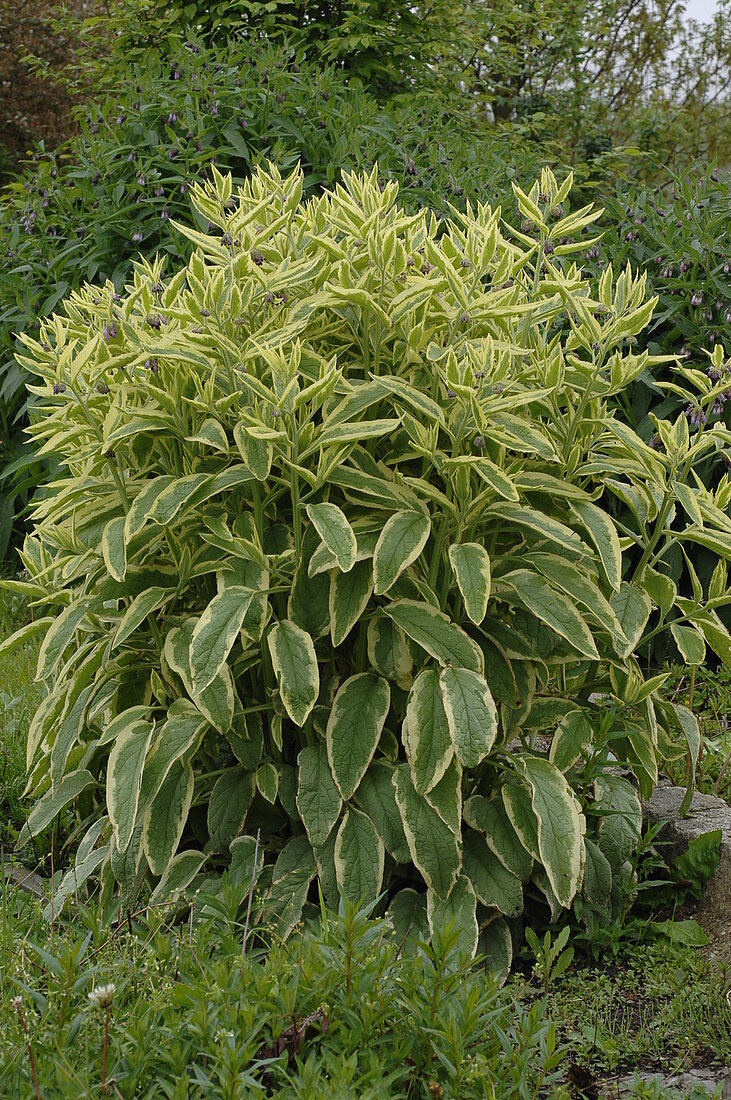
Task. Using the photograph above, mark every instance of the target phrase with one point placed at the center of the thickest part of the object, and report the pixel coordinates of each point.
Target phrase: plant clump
(340, 593)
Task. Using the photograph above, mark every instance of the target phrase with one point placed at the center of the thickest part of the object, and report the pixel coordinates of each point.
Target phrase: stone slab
(706, 813)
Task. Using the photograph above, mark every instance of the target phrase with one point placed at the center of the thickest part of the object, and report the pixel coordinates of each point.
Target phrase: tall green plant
(333, 545)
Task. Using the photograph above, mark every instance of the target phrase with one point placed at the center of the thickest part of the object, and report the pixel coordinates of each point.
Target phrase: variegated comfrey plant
(333, 584)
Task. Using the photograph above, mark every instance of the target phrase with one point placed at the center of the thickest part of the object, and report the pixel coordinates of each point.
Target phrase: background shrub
(332, 541)
(88, 211)
(678, 234)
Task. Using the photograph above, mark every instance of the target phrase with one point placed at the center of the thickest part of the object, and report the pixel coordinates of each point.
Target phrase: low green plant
(552, 957)
(660, 1005)
(333, 544)
(150, 1010)
(707, 692)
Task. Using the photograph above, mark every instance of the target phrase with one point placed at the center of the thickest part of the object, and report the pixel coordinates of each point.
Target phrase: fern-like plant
(334, 545)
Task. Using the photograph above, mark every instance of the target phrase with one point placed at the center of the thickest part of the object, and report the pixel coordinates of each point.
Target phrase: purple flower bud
(138, 236)
(684, 265)
(697, 299)
(141, 180)
(655, 443)
(172, 117)
(451, 393)
(165, 215)
(109, 454)
(257, 257)
(109, 331)
(479, 442)
(159, 192)
(59, 387)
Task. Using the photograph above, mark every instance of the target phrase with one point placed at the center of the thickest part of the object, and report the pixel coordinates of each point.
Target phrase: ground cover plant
(331, 543)
(319, 1016)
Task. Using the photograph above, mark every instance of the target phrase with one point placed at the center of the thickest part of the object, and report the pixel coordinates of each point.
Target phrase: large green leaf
(178, 876)
(401, 542)
(603, 534)
(494, 885)
(215, 633)
(176, 739)
(553, 608)
(540, 524)
(318, 799)
(446, 797)
(144, 604)
(436, 634)
(620, 823)
(354, 728)
(490, 817)
(335, 531)
(114, 549)
(434, 847)
(632, 607)
(295, 666)
(471, 714)
(358, 857)
(425, 732)
(377, 797)
(519, 808)
(583, 589)
(228, 806)
(165, 818)
(573, 734)
(349, 595)
(59, 636)
(124, 778)
(560, 832)
(388, 652)
(53, 801)
(471, 565)
(597, 882)
(456, 914)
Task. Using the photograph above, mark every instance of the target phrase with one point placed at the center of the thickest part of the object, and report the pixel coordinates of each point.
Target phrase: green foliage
(707, 692)
(659, 1004)
(321, 1016)
(153, 130)
(679, 235)
(552, 958)
(331, 398)
(389, 47)
(20, 696)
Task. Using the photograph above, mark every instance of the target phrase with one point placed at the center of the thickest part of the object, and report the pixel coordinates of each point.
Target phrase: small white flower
(17, 1003)
(102, 995)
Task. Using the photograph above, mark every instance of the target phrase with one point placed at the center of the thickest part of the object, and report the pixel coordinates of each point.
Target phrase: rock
(706, 813)
(22, 878)
(713, 1082)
